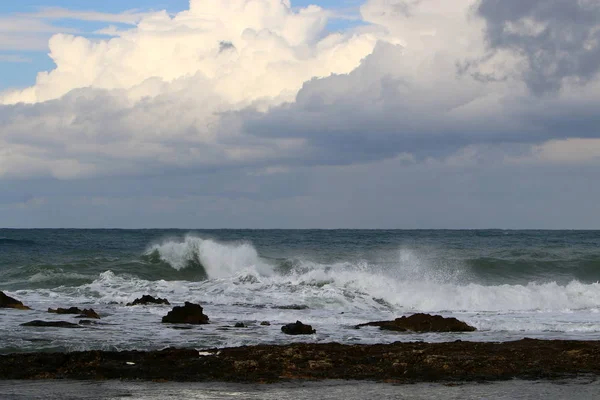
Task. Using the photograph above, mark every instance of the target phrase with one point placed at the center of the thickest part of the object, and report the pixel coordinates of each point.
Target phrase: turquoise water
(508, 284)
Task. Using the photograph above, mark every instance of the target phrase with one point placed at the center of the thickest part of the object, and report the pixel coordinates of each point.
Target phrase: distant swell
(16, 242)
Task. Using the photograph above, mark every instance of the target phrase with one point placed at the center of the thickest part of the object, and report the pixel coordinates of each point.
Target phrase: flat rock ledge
(422, 323)
(51, 324)
(397, 362)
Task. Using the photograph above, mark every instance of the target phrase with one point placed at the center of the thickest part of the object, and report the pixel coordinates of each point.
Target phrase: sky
(395, 114)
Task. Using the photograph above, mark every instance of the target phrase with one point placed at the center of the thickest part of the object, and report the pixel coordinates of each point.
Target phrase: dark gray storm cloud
(376, 112)
(559, 39)
(387, 194)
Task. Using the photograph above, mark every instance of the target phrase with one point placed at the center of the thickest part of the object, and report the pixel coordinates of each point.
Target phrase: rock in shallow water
(89, 322)
(298, 328)
(147, 299)
(190, 313)
(292, 307)
(9, 302)
(422, 323)
(52, 324)
(85, 313)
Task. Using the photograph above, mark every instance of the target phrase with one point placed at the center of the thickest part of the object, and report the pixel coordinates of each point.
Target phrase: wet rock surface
(85, 313)
(189, 313)
(298, 328)
(397, 362)
(51, 324)
(422, 323)
(9, 302)
(147, 299)
(89, 322)
(292, 307)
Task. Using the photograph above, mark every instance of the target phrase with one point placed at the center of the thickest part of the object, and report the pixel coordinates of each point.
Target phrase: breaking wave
(216, 260)
(236, 274)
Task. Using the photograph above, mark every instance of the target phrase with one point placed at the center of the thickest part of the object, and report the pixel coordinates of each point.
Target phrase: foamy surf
(409, 285)
(333, 281)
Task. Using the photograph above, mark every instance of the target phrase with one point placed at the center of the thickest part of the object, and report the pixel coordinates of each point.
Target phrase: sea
(509, 284)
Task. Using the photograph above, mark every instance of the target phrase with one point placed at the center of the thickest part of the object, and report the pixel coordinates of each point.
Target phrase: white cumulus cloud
(260, 85)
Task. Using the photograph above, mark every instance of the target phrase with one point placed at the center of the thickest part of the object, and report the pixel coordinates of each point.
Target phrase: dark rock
(52, 324)
(422, 323)
(89, 313)
(265, 323)
(9, 302)
(239, 325)
(147, 299)
(71, 310)
(292, 307)
(85, 313)
(89, 322)
(297, 328)
(188, 314)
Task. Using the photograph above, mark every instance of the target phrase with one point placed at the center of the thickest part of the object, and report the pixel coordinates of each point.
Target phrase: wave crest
(217, 260)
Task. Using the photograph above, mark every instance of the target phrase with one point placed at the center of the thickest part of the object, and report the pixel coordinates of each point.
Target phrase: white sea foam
(243, 287)
(334, 295)
(338, 297)
(336, 288)
(236, 274)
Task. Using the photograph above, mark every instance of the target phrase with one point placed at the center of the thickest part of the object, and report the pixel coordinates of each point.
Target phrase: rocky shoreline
(398, 362)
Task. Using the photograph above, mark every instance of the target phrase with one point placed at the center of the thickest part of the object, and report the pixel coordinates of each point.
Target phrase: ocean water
(508, 284)
(583, 388)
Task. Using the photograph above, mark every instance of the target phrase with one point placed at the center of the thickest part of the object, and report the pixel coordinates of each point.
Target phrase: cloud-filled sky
(279, 114)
